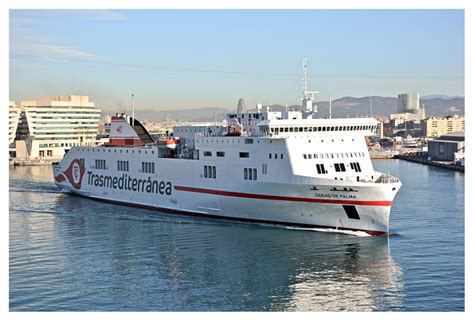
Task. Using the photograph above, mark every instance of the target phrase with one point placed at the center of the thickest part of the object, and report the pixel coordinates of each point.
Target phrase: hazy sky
(210, 58)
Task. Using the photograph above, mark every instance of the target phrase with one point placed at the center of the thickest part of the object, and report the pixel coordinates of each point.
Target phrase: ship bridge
(288, 127)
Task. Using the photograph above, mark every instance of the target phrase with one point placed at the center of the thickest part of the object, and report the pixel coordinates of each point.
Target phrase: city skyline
(177, 59)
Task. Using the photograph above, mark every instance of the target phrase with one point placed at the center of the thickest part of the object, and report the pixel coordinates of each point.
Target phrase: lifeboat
(233, 131)
(168, 143)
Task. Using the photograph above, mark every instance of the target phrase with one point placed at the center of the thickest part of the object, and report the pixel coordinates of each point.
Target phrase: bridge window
(220, 154)
(207, 153)
(244, 155)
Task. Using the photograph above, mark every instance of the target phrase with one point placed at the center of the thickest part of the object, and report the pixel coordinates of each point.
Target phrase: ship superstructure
(280, 167)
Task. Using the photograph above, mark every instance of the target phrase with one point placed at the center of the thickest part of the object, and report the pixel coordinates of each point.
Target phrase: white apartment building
(49, 126)
(437, 126)
(13, 119)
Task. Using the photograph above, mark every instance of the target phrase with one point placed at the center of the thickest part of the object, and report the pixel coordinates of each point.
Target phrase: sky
(177, 59)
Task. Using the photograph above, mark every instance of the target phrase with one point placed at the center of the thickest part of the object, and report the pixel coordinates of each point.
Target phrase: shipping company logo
(119, 129)
(73, 174)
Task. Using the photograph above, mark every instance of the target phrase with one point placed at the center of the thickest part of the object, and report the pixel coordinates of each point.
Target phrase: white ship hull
(317, 203)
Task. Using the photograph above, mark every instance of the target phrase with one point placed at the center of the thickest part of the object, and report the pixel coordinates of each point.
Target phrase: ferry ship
(282, 167)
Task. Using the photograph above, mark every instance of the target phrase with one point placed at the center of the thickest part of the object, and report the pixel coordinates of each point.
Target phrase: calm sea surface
(69, 253)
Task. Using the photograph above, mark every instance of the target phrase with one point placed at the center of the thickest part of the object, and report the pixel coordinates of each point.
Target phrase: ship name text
(339, 196)
(129, 183)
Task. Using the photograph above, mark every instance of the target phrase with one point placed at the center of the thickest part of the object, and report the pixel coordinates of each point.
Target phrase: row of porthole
(332, 140)
(258, 141)
(222, 141)
(115, 150)
(333, 155)
(277, 130)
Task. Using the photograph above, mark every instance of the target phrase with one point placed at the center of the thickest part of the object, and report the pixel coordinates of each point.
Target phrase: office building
(409, 108)
(49, 126)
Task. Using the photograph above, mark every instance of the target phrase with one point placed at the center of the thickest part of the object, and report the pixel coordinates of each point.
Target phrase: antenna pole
(133, 110)
(305, 78)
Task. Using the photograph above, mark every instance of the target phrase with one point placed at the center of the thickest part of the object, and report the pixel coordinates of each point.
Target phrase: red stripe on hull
(230, 218)
(281, 198)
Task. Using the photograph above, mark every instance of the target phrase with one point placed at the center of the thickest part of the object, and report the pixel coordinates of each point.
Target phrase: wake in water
(20, 190)
(330, 230)
(325, 230)
(28, 211)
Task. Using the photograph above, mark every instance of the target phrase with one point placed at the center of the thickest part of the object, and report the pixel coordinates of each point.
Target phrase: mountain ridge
(343, 107)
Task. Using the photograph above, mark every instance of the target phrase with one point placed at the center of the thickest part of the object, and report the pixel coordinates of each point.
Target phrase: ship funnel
(241, 106)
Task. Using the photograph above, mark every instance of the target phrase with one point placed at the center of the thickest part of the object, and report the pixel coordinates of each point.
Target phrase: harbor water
(68, 253)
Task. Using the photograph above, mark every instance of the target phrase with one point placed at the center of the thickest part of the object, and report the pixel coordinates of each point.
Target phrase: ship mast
(133, 110)
(308, 95)
(308, 108)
